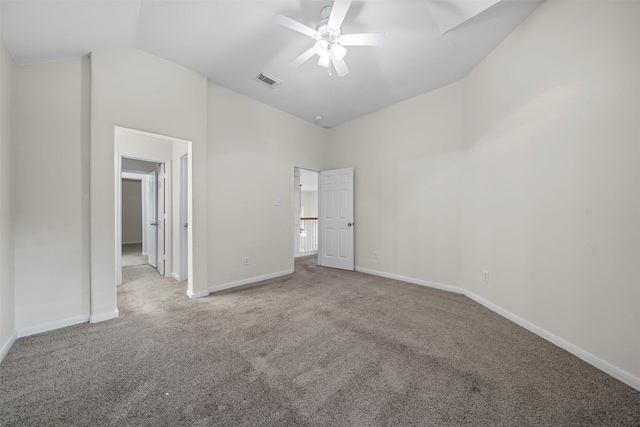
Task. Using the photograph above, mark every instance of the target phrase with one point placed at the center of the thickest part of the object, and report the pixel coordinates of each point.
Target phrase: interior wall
(50, 195)
(131, 211)
(407, 162)
(7, 285)
(552, 187)
(252, 149)
(310, 203)
(136, 90)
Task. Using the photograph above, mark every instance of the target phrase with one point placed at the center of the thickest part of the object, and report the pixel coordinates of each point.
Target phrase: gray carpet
(132, 255)
(319, 347)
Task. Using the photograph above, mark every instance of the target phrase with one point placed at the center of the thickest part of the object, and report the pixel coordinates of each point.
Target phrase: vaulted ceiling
(429, 44)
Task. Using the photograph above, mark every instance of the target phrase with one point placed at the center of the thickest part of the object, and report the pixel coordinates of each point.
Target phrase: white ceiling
(429, 44)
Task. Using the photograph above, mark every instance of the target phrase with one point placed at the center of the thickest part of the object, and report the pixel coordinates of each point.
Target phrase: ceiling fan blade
(302, 58)
(338, 12)
(340, 66)
(364, 39)
(294, 25)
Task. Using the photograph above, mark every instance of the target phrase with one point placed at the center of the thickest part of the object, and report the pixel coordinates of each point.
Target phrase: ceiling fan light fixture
(338, 51)
(329, 41)
(324, 60)
(321, 47)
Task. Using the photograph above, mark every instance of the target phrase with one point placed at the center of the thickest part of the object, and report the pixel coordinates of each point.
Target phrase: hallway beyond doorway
(132, 255)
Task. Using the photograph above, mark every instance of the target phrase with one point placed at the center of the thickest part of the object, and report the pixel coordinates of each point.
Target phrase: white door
(184, 216)
(151, 220)
(161, 218)
(335, 219)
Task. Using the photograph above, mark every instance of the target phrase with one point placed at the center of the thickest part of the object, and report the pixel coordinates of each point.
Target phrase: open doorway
(305, 212)
(160, 164)
(145, 215)
(139, 204)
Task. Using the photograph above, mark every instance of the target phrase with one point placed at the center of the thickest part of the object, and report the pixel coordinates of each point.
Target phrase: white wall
(251, 152)
(310, 203)
(136, 90)
(552, 187)
(407, 162)
(7, 285)
(50, 195)
(131, 211)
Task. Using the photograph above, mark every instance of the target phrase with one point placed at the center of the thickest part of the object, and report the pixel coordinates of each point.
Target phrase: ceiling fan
(330, 42)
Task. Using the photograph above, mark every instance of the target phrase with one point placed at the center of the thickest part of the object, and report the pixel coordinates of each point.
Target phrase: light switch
(278, 202)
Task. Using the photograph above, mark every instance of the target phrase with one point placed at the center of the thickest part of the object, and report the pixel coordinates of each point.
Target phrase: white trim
(176, 277)
(134, 175)
(4, 350)
(196, 295)
(50, 326)
(606, 367)
(248, 281)
(101, 317)
(428, 284)
(594, 361)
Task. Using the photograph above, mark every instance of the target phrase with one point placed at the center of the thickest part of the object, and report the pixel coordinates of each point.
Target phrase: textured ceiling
(429, 44)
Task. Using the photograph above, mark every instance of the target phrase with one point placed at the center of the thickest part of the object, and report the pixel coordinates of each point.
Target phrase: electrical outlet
(485, 275)
(375, 254)
(245, 261)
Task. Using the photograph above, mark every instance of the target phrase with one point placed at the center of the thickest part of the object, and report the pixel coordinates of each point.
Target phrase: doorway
(139, 212)
(305, 225)
(144, 194)
(150, 158)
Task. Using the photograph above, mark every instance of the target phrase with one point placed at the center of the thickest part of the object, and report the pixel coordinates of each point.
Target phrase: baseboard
(176, 277)
(132, 243)
(101, 317)
(195, 295)
(4, 350)
(426, 283)
(249, 281)
(606, 367)
(50, 326)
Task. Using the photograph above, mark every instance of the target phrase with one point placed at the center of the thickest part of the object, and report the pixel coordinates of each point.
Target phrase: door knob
(350, 224)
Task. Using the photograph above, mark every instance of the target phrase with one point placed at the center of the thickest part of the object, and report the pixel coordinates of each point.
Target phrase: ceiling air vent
(269, 81)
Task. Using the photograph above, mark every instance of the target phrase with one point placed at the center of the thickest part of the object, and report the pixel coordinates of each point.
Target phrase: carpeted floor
(132, 255)
(319, 347)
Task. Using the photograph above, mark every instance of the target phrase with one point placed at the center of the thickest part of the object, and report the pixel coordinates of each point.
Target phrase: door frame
(168, 188)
